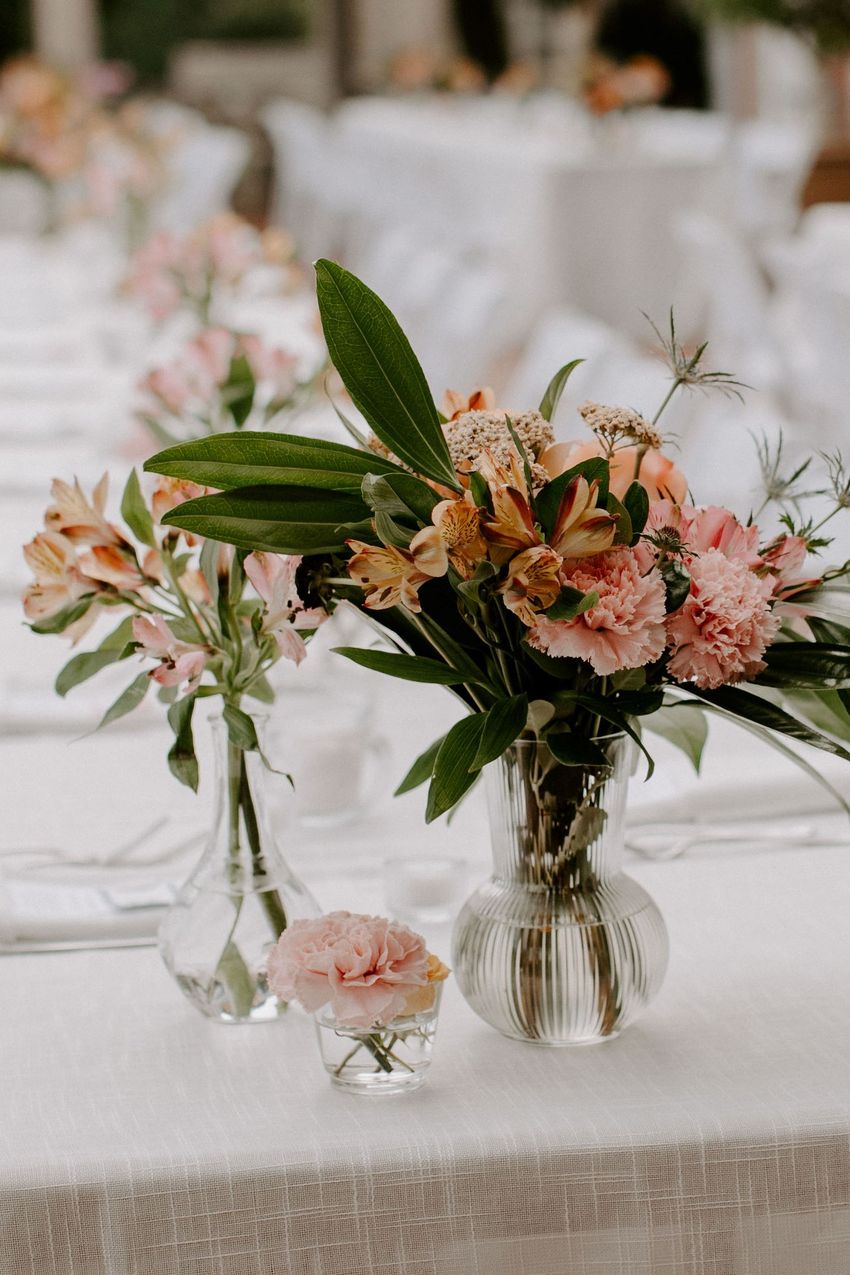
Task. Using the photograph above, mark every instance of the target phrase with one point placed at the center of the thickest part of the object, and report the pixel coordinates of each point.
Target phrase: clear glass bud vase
(559, 947)
(239, 899)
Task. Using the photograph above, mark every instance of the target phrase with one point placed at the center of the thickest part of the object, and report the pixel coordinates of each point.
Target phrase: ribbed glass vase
(559, 947)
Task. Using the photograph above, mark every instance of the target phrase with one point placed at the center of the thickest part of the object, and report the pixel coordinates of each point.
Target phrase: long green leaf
(85, 665)
(276, 519)
(683, 725)
(253, 459)
(503, 723)
(753, 708)
(128, 700)
(135, 512)
(811, 665)
(421, 770)
(399, 494)
(574, 750)
(776, 742)
(412, 668)
(61, 620)
(555, 388)
(381, 372)
(452, 775)
(182, 761)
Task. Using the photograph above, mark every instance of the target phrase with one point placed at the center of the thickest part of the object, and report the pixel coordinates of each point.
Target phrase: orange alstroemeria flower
(458, 527)
(390, 575)
(106, 564)
(533, 583)
(510, 527)
(581, 529)
(481, 399)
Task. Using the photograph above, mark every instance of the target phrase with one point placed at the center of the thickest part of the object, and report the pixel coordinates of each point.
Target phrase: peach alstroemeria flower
(179, 661)
(273, 577)
(79, 518)
(581, 529)
(171, 492)
(108, 565)
(455, 404)
(511, 525)
(533, 583)
(390, 575)
(458, 527)
(58, 579)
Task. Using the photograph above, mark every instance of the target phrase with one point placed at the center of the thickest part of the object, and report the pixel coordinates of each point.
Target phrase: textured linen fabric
(711, 1138)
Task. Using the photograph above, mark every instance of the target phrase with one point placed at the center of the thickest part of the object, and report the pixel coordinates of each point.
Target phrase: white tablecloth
(712, 1138)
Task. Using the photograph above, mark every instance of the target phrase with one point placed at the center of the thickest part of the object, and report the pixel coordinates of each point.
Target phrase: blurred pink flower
(108, 565)
(273, 577)
(58, 580)
(79, 518)
(722, 630)
(624, 629)
(364, 967)
(179, 661)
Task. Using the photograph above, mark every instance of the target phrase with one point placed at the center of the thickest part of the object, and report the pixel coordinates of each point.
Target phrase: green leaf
(135, 512)
(503, 723)
(480, 584)
(261, 690)
(381, 372)
(233, 972)
(811, 665)
(241, 730)
(59, 622)
(548, 501)
(254, 459)
(555, 388)
(624, 533)
(391, 532)
(752, 708)
(347, 424)
(522, 453)
(421, 770)
(452, 775)
(636, 503)
(677, 583)
(573, 750)
(399, 494)
(129, 699)
(208, 562)
(276, 519)
(610, 712)
(412, 668)
(685, 726)
(119, 637)
(182, 761)
(571, 602)
(238, 390)
(83, 666)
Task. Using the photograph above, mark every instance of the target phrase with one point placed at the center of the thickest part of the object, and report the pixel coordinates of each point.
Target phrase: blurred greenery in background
(143, 32)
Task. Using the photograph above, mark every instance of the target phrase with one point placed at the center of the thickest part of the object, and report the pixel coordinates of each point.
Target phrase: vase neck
(554, 826)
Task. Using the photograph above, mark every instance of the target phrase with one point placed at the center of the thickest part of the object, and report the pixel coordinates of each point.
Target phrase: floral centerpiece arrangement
(220, 380)
(374, 990)
(206, 622)
(567, 596)
(44, 119)
(193, 272)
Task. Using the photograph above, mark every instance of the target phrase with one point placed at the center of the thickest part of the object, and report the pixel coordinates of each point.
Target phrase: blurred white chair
(306, 181)
(203, 170)
(771, 161)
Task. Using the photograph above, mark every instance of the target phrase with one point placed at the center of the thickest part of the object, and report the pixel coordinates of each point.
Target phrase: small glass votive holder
(386, 1058)
(426, 891)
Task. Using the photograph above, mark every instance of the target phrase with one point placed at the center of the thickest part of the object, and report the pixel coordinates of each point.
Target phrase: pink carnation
(722, 630)
(711, 527)
(364, 967)
(624, 629)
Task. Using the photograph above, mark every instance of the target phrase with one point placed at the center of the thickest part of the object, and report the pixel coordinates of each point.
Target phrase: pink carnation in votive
(364, 967)
(724, 627)
(624, 629)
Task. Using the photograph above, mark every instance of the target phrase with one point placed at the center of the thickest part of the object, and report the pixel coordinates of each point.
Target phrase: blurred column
(65, 32)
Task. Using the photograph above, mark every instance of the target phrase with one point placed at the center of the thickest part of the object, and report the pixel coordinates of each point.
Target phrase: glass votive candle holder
(385, 1058)
(426, 891)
